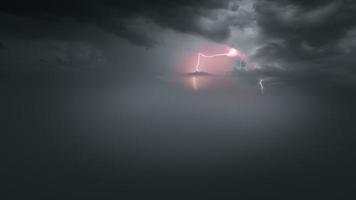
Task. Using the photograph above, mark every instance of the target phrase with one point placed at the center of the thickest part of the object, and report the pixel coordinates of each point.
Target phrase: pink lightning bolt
(231, 53)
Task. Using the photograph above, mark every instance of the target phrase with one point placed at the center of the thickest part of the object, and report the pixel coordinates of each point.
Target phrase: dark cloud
(316, 26)
(1, 45)
(120, 16)
(301, 36)
(308, 36)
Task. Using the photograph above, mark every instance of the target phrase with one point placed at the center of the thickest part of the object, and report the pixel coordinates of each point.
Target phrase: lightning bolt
(231, 53)
(261, 85)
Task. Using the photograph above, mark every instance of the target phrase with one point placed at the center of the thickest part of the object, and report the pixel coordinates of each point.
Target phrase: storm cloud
(136, 20)
(314, 38)
(306, 38)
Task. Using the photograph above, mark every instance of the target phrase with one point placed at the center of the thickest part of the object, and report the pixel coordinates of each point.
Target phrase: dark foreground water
(175, 138)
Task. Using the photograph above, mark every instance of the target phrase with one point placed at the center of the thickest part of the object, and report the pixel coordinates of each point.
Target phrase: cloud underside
(314, 39)
(297, 39)
(137, 20)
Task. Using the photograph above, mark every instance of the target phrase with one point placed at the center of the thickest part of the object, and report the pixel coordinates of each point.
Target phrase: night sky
(101, 100)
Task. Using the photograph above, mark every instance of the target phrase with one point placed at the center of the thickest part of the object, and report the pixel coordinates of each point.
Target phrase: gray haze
(94, 106)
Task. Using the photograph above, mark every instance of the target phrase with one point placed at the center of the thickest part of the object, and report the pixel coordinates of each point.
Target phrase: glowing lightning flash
(261, 85)
(232, 53)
